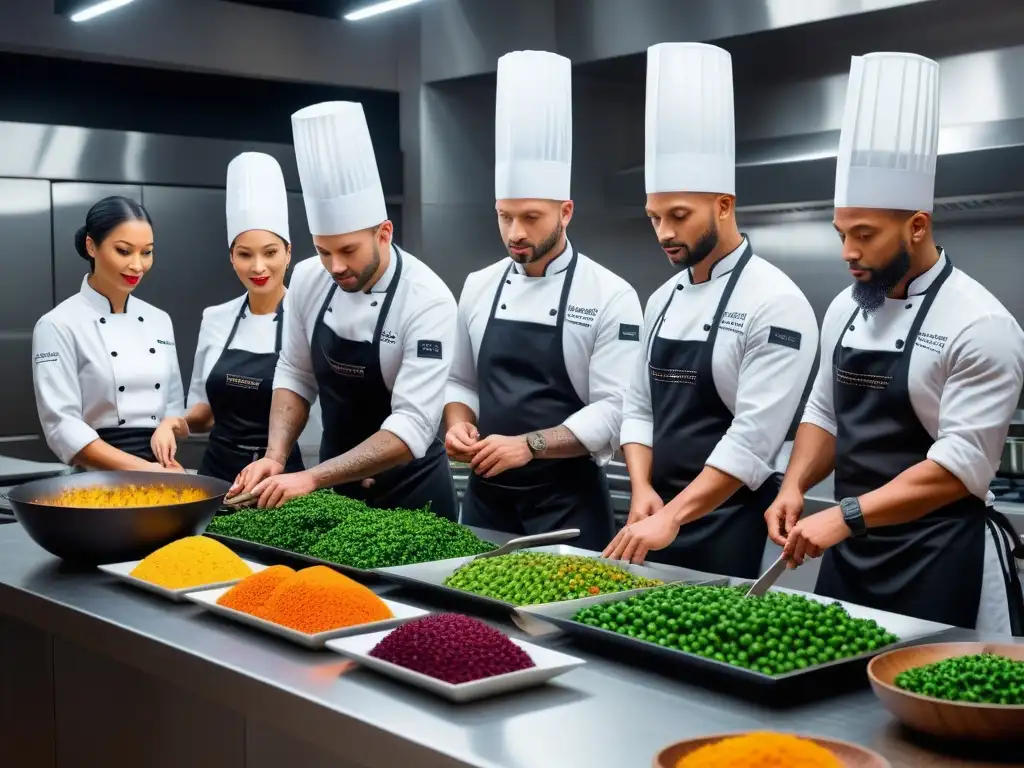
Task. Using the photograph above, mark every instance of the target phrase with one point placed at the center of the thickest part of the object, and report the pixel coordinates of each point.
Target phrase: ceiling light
(375, 9)
(98, 9)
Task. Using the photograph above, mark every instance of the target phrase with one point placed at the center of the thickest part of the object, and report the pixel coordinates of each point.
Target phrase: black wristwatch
(853, 516)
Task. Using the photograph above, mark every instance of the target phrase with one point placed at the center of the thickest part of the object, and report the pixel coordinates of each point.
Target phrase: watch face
(537, 442)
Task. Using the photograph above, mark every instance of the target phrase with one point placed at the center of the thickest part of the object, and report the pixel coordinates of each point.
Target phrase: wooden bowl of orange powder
(767, 749)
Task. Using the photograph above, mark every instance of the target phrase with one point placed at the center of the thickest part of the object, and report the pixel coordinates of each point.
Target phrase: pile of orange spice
(316, 599)
(762, 749)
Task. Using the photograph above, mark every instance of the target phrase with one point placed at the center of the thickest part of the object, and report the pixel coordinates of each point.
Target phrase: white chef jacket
(601, 335)
(423, 310)
(93, 369)
(966, 373)
(256, 334)
(757, 378)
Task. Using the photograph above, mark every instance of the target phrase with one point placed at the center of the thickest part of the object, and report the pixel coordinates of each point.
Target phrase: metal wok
(111, 535)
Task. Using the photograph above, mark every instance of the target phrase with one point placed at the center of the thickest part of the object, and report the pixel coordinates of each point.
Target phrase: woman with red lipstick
(104, 365)
(239, 341)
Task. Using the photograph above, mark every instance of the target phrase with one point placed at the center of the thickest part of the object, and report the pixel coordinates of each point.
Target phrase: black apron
(133, 440)
(355, 401)
(689, 421)
(930, 568)
(240, 388)
(524, 387)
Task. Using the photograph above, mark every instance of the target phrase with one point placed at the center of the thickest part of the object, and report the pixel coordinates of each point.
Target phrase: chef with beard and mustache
(368, 329)
(545, 339)
(921, 368)
(730, 341)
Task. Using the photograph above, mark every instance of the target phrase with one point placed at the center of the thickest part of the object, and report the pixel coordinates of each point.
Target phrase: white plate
(207, 598)
(549, 664)
(123, 572)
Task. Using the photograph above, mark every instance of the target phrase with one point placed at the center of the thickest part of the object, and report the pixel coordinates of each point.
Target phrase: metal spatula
(768, 578)
(537, 540)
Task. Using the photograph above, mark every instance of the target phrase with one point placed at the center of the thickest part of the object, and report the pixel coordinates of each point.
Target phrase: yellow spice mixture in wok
(101, 497)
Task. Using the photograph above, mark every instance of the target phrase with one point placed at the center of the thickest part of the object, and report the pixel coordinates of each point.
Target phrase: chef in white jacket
(105, 369)
(546, 338)
(368, 328)
(729, 346)
(920, 372)
(239, 340)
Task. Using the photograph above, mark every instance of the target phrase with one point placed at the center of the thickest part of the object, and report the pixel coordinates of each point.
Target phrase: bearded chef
(368, 329)
(545, 338)
(730, 340)
(239, 341)
(921, 368)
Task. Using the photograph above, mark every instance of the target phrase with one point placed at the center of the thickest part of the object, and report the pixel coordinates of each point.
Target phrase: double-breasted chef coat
(933, 376)
(377, 361)
(233, 373)
(538, 352)
(101, 375)
(726, 362)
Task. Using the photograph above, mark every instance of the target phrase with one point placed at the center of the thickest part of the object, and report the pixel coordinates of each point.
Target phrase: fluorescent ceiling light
(375, 9)
(98, 9)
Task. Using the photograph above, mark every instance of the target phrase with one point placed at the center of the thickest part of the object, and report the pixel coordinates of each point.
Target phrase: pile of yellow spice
(102, 497)
(761, 750)
(194, 561)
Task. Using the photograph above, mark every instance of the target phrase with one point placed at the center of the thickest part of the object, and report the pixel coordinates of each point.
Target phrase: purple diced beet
(452, 648)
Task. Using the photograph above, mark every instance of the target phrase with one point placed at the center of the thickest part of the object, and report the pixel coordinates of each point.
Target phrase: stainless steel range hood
(978, 172)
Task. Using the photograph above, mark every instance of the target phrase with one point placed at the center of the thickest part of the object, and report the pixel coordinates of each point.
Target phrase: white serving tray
(207, 599)
(549, 664)
(123, 571)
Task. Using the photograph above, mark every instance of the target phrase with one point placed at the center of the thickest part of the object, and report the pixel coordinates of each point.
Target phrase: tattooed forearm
(380, 451)
(562, 444)
(288, 414)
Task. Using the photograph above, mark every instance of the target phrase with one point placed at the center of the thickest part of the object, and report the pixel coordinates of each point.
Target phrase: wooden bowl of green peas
(954, 690)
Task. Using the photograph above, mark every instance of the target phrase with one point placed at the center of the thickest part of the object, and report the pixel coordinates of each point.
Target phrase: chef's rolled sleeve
(294, 369)
(782, 340)
(620, 329)
(637, 413)
(418, 397)
(462, 382)
(57, 391)
(978, 400)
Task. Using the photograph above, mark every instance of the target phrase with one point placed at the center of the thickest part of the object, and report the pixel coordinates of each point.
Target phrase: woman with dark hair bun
(104, 365)
(239, 341)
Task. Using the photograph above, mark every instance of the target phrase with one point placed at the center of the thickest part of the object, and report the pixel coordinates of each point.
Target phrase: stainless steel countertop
(603, 714)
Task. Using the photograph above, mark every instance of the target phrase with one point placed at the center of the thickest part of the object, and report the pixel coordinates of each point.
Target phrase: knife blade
(768, 578)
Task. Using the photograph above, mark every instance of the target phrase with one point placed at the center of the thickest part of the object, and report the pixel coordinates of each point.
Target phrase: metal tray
(431, 576)
(279, 556)
(797, 687)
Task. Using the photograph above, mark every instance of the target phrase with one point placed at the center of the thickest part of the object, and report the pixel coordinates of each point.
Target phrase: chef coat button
(142, 319)
(158, 386)
(851, 327)
(707, 326)
(152, 351)
(508, 282)
(373, 303)
(153, 418)
(121, 388)
(899, 343)
(552, 312)
(113, 354)
(502, 306)
(103, 320)
(679, 287)
(910, 306)
(120, 422)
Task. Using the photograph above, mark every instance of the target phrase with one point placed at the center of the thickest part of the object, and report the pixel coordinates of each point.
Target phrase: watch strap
(853, 516)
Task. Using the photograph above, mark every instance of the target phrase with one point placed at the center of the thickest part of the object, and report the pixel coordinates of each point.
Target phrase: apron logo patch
(784, 337)
(629, 332)
(242, 382)
(46, 357)
(388, 337)
(581, 315)
(931, 342)
(428, 348)
(735, 322)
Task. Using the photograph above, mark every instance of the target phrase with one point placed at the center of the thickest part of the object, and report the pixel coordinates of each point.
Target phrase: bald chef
(730, 341)
(921, 368)
(545, 338)
(376, 351)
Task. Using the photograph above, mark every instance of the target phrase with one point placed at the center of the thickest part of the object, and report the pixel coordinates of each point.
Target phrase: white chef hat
(690, 136)
(256, 196)
(890, 137)
(337, 168)
(533, 126)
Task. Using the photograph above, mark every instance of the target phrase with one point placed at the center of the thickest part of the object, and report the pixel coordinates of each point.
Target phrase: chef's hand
(275, 491)
(254, 473)
(814, 534)
(174, 466)
(462, 441)
(644, 503)
(783, 514)
(164, 443)
(634, 541)
(496, 454)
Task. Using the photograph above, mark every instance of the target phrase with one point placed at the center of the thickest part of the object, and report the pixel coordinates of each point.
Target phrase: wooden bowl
(850, 755)
(945, 719)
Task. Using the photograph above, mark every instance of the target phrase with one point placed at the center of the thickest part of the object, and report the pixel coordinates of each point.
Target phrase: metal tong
(536, 540)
